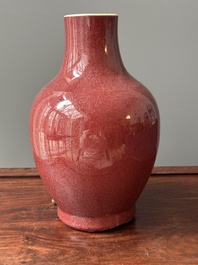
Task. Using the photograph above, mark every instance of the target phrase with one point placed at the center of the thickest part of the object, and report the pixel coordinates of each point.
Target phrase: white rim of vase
(91, 14)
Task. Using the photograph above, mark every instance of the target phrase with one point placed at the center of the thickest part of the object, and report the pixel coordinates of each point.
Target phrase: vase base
(96, 224)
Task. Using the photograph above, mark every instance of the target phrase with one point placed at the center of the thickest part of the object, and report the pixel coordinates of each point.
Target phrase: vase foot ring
(96, 224)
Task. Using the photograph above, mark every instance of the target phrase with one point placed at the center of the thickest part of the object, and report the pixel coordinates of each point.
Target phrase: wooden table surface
(165, 230)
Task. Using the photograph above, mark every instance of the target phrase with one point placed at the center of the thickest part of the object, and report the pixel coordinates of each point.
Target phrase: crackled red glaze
(94, 129)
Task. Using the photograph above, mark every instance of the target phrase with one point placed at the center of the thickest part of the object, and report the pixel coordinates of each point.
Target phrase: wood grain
(175, 170)
(18, 172)
(165, 230)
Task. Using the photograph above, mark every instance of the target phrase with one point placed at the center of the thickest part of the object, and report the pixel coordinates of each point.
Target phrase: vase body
(94, 129)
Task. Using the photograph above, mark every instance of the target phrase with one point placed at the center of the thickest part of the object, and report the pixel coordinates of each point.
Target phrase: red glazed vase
(94, 129)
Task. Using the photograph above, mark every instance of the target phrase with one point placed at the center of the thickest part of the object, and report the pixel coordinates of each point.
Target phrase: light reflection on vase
(68, 133)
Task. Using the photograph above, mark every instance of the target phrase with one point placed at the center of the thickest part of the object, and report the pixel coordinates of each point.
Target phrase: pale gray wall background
(159, 46)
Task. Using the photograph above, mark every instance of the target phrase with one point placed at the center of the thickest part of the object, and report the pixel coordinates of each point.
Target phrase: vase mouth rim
(92, 15)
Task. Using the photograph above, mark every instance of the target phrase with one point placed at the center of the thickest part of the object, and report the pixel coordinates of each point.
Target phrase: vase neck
(91, 40)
